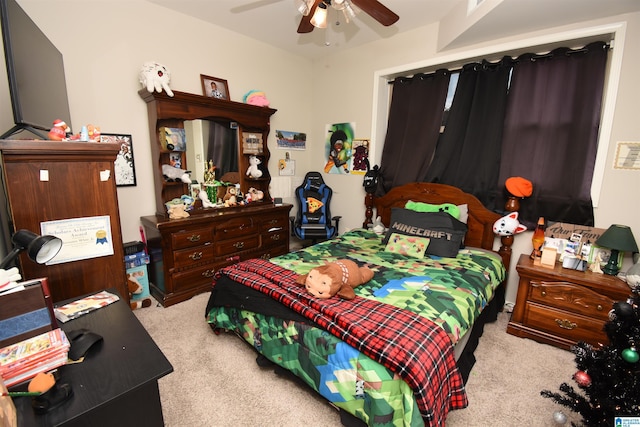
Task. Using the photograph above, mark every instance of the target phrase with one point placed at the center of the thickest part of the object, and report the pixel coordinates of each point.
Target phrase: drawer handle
(208, 273)
(275, 237)
(266, 256)
(196, 256)
(599, 307)
(238, 245)
(194, 238)
(543, 293)
(566, 324)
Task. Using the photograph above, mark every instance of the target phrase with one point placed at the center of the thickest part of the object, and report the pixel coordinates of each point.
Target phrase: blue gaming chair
(313, 221)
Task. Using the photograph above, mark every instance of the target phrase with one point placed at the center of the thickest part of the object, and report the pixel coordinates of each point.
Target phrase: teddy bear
(254, 171)
(335, 278)
(135, 288)
(155, 76)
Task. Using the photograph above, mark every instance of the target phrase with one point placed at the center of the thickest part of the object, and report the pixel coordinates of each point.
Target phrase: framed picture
(214, 87)
(124, 167)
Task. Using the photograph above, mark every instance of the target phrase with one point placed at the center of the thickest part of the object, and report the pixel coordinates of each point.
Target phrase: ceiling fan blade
(378, 11)
(252, 5)
(305, 23)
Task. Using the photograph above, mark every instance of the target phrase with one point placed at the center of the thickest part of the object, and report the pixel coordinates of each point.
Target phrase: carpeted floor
(216, 381)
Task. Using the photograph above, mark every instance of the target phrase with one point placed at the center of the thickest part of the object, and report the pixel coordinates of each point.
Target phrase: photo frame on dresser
(214, 87)
(124, 166)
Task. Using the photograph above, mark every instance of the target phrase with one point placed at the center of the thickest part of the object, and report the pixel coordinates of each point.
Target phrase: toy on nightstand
(59, 130)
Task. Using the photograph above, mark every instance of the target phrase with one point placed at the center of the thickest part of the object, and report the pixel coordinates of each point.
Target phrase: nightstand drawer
(563, 324)
(571, 297)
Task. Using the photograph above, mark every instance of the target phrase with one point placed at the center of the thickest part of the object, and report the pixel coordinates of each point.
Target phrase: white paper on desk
(82, 238)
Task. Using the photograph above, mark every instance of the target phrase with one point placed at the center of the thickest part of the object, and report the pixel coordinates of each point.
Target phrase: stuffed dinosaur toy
(335, 278)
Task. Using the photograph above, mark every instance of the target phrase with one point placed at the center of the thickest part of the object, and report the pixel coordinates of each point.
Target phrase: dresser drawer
(278, 237)
(563, 324)
(571, 297)
(239, 244)
(186, 258)
(275, 222)
(190, 238)
(194, 278)
(235, 227)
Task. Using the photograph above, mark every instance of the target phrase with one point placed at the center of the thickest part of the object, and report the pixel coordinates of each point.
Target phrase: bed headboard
(480, 222)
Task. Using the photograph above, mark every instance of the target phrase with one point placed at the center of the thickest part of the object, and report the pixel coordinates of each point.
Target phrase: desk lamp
(41, 249)
(617, 238)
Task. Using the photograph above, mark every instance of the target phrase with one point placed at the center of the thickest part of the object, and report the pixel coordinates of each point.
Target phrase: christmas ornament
(559, 417)
(582, 378)
(630, 355)
(623, 309)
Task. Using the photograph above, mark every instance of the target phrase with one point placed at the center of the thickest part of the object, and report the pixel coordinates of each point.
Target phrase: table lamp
(617, 238)
(41, 249)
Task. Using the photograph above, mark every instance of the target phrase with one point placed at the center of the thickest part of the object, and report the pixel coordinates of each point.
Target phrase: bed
(400, 352)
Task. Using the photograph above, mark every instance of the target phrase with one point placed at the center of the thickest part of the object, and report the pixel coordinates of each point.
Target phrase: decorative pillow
(449, 208)
(445, 233)
(407, 245)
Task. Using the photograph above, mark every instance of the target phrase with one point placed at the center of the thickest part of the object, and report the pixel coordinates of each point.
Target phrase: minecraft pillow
(445, 233)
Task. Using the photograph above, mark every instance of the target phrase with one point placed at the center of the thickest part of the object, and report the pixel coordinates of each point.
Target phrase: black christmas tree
(608, 376)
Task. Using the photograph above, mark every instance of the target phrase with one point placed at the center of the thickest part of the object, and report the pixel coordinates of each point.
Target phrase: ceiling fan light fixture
(319, 19)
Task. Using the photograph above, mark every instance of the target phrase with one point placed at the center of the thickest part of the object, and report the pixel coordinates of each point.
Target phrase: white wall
(105, 42)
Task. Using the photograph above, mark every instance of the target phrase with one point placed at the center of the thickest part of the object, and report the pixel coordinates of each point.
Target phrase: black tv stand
(19, 128)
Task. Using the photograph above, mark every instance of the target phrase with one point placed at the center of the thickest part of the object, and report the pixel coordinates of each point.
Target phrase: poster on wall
(338, 147)
(360, 150)
(288, 140)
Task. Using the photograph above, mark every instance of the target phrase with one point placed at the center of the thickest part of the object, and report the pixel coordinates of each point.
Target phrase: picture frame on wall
(213, 87)
(124, 166)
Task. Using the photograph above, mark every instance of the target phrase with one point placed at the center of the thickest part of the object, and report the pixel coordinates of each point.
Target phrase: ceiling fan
(315, 12)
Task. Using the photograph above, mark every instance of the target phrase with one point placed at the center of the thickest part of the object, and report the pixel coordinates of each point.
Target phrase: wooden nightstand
(561, 307)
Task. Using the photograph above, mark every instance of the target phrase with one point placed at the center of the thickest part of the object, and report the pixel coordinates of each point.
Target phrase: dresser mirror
(211, 140)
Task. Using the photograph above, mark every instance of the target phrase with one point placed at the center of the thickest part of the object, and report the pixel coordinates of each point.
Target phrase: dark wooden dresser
(186, 253)
(560, 307)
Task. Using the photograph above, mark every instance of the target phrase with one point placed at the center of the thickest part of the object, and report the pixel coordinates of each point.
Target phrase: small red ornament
(582, 378)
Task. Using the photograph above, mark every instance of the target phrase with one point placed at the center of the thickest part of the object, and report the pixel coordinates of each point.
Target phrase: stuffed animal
(59, 130)
(155, 76)
(254, 195)
(449, 208)
(9, 278)
(335, 278)
(135, 288)
(177, 210)
(508, 225)
(256, 97)
(254, 171)
(204, 197)
(171, 173)
(230, 198)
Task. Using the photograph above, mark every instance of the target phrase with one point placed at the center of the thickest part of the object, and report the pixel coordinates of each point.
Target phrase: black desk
(117, 384)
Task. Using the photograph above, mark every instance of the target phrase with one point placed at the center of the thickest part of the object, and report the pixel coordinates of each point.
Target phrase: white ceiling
(275, 21)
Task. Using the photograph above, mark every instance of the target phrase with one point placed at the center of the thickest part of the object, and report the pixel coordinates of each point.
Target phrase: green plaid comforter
(448, 291)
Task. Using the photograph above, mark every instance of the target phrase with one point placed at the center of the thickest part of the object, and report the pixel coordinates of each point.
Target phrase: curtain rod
(515, 60)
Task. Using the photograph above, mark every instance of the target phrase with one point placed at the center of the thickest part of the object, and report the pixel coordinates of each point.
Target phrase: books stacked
(84, 305)
(25, 359)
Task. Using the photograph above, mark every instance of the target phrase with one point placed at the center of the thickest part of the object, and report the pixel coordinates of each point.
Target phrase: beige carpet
(216, 381)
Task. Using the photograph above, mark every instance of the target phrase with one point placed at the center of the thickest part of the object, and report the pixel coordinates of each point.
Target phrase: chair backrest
(314, 215)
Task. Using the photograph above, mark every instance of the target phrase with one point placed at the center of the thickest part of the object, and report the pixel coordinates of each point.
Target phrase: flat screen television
(36, 74)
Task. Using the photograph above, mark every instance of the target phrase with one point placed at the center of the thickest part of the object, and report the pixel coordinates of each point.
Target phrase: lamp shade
(319, 19)
(40, 249)
(618, 237)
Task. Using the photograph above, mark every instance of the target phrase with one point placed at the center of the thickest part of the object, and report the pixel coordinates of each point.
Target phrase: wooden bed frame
(480, 223)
